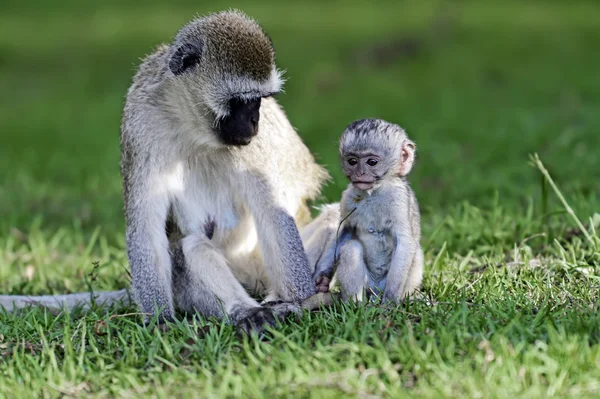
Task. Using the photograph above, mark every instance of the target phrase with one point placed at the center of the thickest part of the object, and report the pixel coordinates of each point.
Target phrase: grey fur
(82, 300)
(203, 219)
(218, 196)
(383, 252)
(320, 237)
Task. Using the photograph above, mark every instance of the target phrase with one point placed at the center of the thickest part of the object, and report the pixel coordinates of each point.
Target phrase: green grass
(512, 282)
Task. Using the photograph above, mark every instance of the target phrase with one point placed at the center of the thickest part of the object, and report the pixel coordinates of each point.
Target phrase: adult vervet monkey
(215, 179)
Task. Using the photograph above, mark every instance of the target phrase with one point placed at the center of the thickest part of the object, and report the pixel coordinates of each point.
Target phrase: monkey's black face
(241, 125)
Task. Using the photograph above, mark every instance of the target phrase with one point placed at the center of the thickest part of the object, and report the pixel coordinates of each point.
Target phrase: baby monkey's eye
(372, 162)
(352, 161)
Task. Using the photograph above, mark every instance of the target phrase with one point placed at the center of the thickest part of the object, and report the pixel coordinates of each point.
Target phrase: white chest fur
(202, 199)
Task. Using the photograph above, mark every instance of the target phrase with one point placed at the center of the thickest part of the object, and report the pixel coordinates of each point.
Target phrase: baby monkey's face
(363, 169)
(373, 151)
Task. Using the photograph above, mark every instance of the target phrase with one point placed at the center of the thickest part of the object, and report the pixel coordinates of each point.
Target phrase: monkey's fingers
(283, 310)
(255, 322)
(323, 284)
(323, 287)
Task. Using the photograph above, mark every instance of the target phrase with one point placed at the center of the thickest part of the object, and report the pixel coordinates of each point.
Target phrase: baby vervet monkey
(377, 250)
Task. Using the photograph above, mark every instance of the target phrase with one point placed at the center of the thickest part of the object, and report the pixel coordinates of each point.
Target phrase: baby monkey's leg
(415, 277)
(406, 270)
(352, 272)
(319, 239)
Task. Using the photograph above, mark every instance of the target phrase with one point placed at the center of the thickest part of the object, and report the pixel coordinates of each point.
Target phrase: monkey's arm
(405, 249)
(146, 207)
(282, 250)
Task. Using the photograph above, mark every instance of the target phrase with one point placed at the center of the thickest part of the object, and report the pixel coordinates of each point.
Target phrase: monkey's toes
(284, 309)
(318, 300)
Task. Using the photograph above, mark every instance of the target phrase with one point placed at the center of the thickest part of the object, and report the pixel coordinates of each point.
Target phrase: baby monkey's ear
(407, 157)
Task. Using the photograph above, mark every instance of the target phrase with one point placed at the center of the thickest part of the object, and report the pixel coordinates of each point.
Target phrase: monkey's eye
(352, 161)
(372, 162)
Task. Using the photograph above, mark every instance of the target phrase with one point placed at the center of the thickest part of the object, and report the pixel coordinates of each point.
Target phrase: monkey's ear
(184, 58)
(407, 157)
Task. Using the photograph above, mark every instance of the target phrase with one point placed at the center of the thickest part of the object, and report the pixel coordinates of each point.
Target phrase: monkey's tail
(82, 300)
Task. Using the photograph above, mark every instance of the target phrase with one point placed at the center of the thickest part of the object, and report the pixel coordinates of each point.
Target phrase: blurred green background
(478, 85)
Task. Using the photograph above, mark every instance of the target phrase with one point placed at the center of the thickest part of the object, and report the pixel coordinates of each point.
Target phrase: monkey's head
(220, 68)
(372, 150)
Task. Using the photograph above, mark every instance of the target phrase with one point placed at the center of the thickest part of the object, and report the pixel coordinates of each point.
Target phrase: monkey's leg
(204, 283)
(329, 217)
(352, 271)
(319, 239)
(401, 268)
(415, 276)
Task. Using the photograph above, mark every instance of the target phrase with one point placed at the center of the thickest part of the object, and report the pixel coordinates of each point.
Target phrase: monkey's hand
(322, 283)
(254, 321)
(257, 319)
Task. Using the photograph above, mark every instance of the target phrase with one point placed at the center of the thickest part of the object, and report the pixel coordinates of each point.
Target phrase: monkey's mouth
(363, 185)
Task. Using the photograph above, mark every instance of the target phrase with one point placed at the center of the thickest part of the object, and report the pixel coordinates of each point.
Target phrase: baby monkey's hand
(323, 283)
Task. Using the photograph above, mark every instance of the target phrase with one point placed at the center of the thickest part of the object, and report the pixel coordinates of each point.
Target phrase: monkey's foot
(320, 299)
(283, 309)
